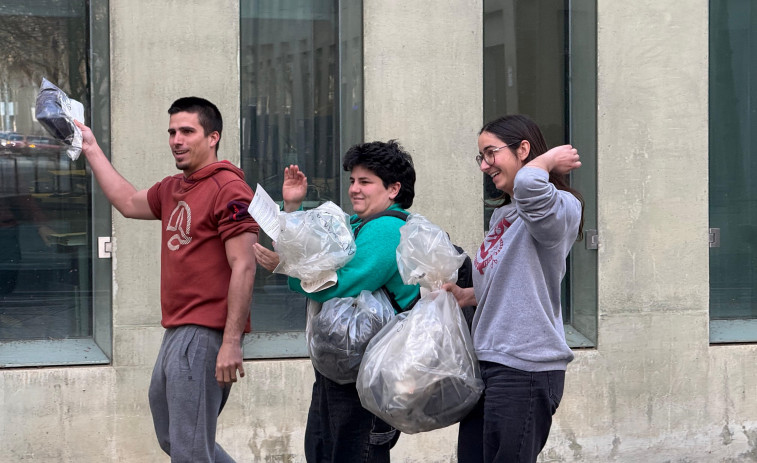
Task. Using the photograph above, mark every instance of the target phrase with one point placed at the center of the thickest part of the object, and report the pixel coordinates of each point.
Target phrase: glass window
(301, 103)
(540, 60)
(48, 313)
(733, 160)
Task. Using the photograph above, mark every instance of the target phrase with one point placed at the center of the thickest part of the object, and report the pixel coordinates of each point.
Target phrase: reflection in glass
(45, 277)
(733, 159)
(291, 95)
(524, 67)
(540, 60)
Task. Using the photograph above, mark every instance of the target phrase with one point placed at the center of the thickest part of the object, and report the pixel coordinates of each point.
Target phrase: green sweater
(373, 266)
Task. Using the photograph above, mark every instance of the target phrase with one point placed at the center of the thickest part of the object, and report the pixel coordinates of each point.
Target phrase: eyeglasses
(489, 153)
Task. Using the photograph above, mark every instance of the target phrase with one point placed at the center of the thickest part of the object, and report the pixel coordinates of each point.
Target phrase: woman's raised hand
(561, 159)
(294, 189)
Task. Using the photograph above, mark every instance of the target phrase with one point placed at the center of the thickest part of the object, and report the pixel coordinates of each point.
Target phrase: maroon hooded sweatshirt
(198, 214)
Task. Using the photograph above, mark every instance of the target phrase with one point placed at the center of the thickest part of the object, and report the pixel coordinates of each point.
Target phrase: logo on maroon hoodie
(180, 222)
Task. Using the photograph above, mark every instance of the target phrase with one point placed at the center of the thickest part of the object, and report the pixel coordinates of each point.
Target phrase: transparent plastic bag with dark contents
(339, 331)
(55, 112)
(420, 372)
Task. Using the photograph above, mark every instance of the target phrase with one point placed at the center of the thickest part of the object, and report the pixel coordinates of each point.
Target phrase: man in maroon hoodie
(207, 272)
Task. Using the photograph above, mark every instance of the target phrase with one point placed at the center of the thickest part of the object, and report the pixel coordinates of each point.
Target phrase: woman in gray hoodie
(518, 328)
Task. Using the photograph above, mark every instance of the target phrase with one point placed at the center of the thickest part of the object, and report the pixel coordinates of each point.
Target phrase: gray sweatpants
(185, 399)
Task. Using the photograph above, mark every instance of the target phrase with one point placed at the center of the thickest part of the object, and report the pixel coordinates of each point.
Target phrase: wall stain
(615, 447)
(751, 437)
(726, 434)
(575, 446)
(271, 449)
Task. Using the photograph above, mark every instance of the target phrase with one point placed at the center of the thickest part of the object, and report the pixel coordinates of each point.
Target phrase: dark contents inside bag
(341, 332)
(50, 113)
(439, 403)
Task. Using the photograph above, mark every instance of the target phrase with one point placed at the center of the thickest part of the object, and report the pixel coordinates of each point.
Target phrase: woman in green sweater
(382, 177)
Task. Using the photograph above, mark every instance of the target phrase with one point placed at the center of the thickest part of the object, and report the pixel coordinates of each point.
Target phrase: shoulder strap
(396, 304)
(389, 212)
(389, 294)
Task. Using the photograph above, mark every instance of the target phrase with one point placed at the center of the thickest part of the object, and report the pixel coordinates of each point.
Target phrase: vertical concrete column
(423, 86)
(160, 51)
(650, 366)
(652, 173)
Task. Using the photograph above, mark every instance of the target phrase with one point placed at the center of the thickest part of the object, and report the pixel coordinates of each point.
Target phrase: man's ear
(214, 137)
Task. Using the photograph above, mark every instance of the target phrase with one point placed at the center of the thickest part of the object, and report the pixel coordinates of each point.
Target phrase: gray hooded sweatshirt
(517, 274)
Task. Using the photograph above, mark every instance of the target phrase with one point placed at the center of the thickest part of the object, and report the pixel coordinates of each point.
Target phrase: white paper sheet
(265, 211)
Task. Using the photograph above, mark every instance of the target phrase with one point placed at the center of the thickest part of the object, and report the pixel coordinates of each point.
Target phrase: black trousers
(340, 430)
(511, 422)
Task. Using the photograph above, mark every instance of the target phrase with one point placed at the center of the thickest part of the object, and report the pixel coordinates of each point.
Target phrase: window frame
(292, 343)
(726, 328)
(580, 288)
(97, 349)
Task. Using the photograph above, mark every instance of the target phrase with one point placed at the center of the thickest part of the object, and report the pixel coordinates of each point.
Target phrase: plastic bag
(313, 244)
(419, 372)
(425, 255)
(340, 331)
(56, 112)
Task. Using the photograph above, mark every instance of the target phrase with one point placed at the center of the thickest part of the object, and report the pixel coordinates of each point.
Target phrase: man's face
(191, 148)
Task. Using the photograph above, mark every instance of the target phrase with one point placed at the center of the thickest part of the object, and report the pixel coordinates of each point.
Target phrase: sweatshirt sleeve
(153, 198)
(374, 263)
(231, 210)
(549, 214)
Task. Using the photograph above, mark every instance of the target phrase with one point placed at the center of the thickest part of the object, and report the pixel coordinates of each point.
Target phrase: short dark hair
(389, 162)
(207, 113)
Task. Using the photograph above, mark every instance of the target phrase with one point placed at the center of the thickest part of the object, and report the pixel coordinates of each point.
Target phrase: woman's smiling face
(506, 162)
(368, 194)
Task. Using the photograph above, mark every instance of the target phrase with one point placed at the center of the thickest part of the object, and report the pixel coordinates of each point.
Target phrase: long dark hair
(512, 130)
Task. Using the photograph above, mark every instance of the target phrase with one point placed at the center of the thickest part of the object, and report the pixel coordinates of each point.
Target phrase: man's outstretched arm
(129, 201)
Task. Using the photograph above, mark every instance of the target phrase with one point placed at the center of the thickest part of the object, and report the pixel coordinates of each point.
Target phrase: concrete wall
(653, 390)
(423, 86)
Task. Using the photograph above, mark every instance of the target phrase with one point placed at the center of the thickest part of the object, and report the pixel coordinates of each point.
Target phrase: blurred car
(40, 145)
(12, 143)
